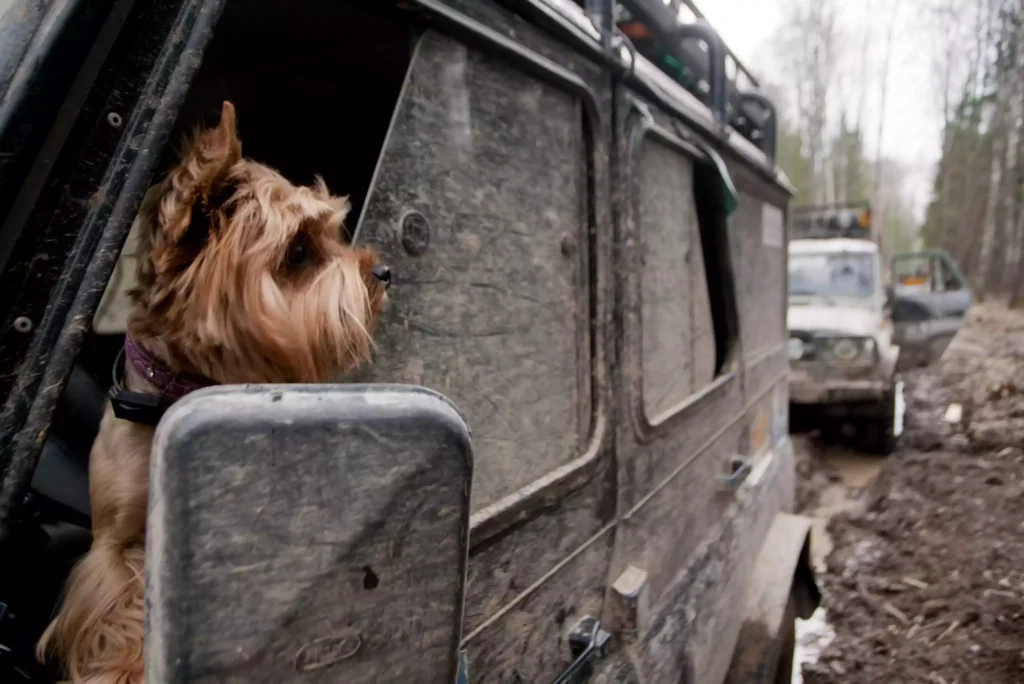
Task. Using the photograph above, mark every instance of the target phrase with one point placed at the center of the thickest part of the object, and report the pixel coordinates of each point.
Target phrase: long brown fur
(243, 279)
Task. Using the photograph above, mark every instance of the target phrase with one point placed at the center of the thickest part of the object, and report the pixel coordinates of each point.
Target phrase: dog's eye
(298, 253)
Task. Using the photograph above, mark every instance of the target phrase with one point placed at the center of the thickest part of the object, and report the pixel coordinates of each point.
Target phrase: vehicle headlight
(847, 349)
(795, 348)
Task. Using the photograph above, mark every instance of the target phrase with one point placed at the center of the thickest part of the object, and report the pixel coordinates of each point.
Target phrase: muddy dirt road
(921, 554)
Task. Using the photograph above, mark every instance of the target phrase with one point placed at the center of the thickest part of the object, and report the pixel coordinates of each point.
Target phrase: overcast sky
(913, 121)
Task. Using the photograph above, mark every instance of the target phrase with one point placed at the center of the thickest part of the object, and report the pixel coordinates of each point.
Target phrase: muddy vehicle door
(929, 299)
(587, 236)
(702, 451)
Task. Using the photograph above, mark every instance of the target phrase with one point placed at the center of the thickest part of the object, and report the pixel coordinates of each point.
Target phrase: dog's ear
(198, 184)
(340, 204)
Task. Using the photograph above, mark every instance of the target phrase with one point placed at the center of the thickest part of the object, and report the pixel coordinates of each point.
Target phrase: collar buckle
(144, 409)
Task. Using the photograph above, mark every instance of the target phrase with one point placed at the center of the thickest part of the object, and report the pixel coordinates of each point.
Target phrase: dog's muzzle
(383, 274)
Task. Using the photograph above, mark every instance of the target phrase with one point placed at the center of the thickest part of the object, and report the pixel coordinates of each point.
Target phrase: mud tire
(877, 436)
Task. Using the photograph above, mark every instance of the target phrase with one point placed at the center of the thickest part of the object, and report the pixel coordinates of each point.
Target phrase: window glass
(479, 207)
(678, 353)
(759, 264)
(945, 279)
(832, 276)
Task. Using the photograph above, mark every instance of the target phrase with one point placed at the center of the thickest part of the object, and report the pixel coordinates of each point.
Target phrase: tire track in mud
(921, 555)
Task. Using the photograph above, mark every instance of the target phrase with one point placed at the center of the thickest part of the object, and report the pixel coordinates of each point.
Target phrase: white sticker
(772, 232)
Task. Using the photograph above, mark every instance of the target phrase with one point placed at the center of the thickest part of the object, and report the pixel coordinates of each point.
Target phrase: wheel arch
(783, 573)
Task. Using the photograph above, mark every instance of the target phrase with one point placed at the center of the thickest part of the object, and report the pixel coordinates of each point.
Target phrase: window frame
(647, 428)
(495, 518)
(144, 81)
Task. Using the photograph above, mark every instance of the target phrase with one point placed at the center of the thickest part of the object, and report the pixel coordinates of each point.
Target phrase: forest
(834, 65)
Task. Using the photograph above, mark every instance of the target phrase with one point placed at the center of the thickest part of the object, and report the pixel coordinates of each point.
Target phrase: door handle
(740, 469)
(587, 642)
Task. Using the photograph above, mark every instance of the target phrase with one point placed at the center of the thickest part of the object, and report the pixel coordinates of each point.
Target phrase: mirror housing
(296, 530)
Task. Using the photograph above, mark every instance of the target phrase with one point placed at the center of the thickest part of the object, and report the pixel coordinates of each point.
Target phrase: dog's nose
(383, 274)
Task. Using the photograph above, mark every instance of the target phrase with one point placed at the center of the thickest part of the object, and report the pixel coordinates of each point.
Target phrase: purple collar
(171, 386)
(148, 409)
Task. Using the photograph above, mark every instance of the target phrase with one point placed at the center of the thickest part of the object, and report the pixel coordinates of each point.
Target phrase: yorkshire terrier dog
(242, 279)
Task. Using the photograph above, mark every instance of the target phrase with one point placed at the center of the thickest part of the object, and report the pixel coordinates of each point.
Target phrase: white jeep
(849, 335)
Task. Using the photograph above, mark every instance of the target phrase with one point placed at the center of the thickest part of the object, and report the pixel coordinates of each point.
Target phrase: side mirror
(890, 295)
(307, 531)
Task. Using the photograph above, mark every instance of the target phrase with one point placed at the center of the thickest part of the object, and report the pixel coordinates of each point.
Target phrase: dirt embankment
(925, 577)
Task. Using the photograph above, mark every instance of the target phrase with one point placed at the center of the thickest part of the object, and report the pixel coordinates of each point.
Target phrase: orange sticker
(758, 432)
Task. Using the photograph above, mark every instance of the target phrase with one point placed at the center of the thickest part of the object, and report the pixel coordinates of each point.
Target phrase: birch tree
(1000, 126)
(878, 225)
(977, 210)
(809, 43)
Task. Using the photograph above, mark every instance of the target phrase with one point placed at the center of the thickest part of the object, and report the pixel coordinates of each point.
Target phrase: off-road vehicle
(587, 235)
(850, 334)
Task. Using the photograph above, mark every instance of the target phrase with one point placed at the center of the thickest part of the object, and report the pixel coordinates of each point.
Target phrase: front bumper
(817, 383)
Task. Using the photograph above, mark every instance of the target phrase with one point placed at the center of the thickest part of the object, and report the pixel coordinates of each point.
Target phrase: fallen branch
(915, 583)
(953, 625)
(896, 613)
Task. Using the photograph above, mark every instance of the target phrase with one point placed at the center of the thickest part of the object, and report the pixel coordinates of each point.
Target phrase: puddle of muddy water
(854, 472)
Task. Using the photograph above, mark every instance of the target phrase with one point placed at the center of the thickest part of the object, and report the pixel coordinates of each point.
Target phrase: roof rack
(696, 57)
(689, 4)
(824, 221)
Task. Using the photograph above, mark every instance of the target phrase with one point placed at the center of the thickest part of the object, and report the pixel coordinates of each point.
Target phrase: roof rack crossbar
(692, 6)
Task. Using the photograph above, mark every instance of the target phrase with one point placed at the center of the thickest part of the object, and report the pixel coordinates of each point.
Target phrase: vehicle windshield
(832, 276)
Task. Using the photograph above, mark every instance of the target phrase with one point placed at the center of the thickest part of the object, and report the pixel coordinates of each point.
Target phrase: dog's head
(245, 278)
